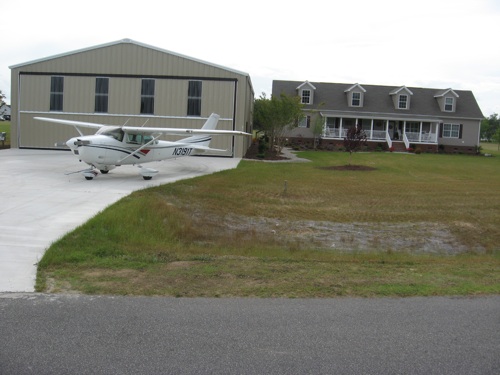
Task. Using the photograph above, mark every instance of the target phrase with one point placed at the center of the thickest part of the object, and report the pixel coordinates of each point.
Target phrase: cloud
(426, 43)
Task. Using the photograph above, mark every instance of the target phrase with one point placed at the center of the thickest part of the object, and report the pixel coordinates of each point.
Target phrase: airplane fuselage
(104, 152)
(112, 146)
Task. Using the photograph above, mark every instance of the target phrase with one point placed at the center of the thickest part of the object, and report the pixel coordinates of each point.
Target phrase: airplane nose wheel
(89, 174)
(147, 173)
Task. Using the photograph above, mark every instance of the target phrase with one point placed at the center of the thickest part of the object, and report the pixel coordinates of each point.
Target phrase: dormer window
(447, 100)
(356, 99)
(401, 97)
(306, 92)
(449, 104)
(355, 95)
(403, 102)
(306, 97)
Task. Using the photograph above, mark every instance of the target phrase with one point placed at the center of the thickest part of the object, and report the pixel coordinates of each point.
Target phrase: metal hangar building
(128, 82)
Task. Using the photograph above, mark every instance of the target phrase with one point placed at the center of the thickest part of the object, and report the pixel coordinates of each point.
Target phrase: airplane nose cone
(71, 144)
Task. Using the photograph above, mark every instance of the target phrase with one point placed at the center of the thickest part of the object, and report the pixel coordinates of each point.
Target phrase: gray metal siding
(224, 91)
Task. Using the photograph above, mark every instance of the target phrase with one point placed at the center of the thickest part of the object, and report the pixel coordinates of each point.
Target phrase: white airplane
(113, 146)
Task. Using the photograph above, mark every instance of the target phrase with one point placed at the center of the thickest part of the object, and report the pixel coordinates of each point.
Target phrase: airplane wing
(179, 131)
(70, 122)
(142, 130)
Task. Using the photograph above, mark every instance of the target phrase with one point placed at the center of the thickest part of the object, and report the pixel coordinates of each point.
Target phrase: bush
(262, 147)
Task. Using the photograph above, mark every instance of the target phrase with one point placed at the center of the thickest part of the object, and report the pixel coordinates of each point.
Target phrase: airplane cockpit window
(114, 133)
(138, 139)
(134, 138)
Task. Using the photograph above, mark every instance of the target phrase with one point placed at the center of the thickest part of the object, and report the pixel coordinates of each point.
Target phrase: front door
(396, 130)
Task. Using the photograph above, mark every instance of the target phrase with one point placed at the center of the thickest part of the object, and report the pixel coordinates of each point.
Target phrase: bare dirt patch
(415, 238)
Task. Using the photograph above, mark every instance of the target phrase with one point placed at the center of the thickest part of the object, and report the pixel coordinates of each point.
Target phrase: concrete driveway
(39, 203)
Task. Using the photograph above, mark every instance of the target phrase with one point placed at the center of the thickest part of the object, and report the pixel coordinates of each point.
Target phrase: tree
(355, 137)
(276, 116)
(496, 138)
(489, 126)
(318, 125)
(2, 97)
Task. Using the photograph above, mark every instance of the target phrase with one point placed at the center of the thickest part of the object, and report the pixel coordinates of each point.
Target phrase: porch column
(340, 127)
(420, 133)
(371, 130)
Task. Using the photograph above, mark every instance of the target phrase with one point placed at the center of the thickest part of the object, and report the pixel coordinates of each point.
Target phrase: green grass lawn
(5, 127)
(240, 233)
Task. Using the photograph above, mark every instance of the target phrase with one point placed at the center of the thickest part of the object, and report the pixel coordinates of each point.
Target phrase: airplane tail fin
(204, 140)
(212, 121)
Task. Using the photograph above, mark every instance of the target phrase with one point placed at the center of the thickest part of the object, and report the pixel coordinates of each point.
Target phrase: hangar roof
(130, 41)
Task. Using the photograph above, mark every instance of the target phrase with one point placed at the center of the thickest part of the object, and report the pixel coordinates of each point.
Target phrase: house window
(403, 102)
(306, 97)
(148, 96)
(305, 122)
(194, 98)
(101, 95)
(448, 104)
(56, 93)
(413, 127)
(356, 99)
(451, 131)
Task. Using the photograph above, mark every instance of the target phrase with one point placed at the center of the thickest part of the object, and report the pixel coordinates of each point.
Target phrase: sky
(418, 43)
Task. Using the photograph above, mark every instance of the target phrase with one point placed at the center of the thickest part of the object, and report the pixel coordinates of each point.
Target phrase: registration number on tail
(182, 151)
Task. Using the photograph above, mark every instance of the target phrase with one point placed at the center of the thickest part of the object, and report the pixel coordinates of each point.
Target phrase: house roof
(129, 41)
(378, 100)
(354, 86)
(444, 92)
(398, 90)
(306, 83)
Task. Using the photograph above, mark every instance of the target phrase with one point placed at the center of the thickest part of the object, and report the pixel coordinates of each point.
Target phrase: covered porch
(412, 131)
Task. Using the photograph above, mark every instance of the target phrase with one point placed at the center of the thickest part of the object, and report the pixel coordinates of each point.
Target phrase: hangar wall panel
(224, 91)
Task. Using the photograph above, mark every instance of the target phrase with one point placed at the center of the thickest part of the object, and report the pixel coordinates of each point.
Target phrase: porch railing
(409, 137)
(424, 137)
(370, 134)
(388, 140)
(406, 141)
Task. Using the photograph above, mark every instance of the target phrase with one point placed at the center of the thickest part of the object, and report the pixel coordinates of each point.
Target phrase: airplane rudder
(212, 121)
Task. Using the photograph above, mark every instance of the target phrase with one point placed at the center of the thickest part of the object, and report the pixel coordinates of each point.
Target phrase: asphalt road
(71, 334)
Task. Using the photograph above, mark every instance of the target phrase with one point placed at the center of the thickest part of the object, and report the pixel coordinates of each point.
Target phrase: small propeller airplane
(113, 146)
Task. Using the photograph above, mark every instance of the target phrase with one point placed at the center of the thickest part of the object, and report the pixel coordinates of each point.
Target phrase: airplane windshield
(115, 133)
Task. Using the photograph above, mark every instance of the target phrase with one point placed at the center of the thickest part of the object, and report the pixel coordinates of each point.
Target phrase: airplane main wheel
(103, 171)
(147, 177)
(89, 178)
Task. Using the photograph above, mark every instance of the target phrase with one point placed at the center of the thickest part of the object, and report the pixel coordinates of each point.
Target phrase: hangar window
(101, 94)
(148, 96)
(194, 98)
(56, 93)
